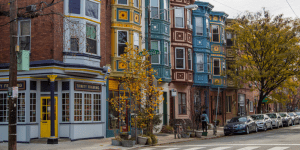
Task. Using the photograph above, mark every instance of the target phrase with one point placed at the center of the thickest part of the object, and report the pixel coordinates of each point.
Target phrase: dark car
(295, 118)
(242, 124)
(286, 119)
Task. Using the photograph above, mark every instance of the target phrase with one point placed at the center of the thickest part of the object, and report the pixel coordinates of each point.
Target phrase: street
(286, 138)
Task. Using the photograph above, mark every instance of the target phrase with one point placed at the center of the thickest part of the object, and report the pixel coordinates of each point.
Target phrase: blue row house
(160, 40)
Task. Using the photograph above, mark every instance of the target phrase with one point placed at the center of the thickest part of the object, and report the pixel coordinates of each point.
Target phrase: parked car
(276, 119)
(298, 113)
(286, 119)
(241, 124)
(295, 118)
(262, 121)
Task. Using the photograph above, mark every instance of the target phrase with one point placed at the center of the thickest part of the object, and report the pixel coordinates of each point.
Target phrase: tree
(266, 51)
(142, 97)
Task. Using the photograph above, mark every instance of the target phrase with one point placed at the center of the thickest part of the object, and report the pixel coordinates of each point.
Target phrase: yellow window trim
(83, 18)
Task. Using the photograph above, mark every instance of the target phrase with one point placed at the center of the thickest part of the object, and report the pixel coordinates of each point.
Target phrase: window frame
(213, 34)
(190, 59)
(251, 106)
(229, 39)
(96, 40)
(176, 48)
(138, 3)
(121, 43)
(180, 110)
(158, 45)
(207, 26)
(80, 107)
(21, 110)
(98, 10)
(85, 99)
(4, 97)
(166, 10)
(166, 53)
(64, 98)
(19, 33)
(83, 105)
(83, 10)
(208, 63)
(199, 26)
(32, 110)
(199, 63)
(228, 104)
(179, 17)
(189, 18)
(217, 66)
(158, 10)
(99, 106)
(122, 4)
(138, 39)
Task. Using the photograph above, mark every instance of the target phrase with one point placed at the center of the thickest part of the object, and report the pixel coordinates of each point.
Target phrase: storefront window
(3, 107)
(97, 107)
(77, 107)
(87, 107)
(65, 107)
(21, 107)
(32, 107)
(113, 122)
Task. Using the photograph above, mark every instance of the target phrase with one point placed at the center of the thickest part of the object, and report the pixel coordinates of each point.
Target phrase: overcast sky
(235, 7)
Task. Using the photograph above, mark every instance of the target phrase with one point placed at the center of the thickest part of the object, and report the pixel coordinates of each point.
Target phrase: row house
(60, 51)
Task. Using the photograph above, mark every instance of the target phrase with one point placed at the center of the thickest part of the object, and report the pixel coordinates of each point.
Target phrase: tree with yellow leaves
(267, 51)
(142, 96)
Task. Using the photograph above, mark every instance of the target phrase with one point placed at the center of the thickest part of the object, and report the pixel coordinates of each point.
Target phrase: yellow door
(46, 117)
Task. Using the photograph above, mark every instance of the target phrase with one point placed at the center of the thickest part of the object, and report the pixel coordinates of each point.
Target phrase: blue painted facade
(160, 31)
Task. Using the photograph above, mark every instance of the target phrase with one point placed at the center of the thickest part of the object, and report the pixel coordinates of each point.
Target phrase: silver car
(276, 119)
(286, 119)
(295, 118)
(262, 121)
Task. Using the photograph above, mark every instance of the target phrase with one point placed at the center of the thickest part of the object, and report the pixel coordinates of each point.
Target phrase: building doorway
(46, 117)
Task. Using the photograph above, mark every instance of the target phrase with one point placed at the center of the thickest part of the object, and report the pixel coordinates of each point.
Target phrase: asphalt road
(286, 138)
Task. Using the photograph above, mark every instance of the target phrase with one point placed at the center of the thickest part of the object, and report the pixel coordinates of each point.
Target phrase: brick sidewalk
(105, 144)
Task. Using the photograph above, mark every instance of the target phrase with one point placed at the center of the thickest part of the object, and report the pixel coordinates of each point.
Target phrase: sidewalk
(105, 144)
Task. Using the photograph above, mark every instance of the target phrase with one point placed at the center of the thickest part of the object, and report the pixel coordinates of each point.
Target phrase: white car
(276, 119)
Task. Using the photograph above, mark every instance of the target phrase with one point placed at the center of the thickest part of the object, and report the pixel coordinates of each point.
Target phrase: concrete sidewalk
(105, 144)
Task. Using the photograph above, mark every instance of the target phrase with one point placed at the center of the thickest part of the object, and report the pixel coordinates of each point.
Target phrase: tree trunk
(259, 109)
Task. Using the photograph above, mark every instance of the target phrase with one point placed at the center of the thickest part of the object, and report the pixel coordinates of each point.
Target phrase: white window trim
(158, 44)
(201, 54)
(214, 66)
(82, 10)
(100, 107)
(65, 92)
(19, 32)
(191, 58)
(122, 4)
(166, 10)
(118, 40)
(176, 48)
(182, 17)
(197, 25)
(213, 34)
(158, 10)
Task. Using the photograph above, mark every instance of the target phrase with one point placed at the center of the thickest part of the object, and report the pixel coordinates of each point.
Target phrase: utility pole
(12, 128)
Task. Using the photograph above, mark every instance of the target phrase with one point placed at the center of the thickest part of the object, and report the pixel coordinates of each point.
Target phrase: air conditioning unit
(31, 8)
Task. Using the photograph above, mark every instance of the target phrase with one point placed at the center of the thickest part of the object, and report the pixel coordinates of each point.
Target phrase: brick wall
(105, 32)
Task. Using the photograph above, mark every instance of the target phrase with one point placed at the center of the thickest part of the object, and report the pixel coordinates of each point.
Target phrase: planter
(128, 143)
(198, 134)
(193, 135)
(116, 142)
(185, 135)
(142, 140)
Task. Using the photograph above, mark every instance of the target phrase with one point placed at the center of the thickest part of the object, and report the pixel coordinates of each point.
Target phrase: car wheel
(247, 130)
(265, 127)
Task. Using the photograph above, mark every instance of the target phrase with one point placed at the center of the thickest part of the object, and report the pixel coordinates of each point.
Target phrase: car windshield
(272, 115)
(257, 117)
(242, 119)
(283, 115)
(291, 114)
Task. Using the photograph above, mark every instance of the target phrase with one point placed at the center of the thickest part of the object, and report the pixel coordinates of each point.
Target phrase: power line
(292, 9)
(227, 6)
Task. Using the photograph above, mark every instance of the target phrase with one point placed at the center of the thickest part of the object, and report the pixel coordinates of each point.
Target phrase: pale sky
(275, 7)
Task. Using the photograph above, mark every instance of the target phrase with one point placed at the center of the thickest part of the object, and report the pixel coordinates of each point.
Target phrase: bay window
(207, 26)
(91, 9)
(74, 6)
(122, 39)
(189, 19)
(91, 39)
(154, 9)
(190, 55)
(166, 53)
(199, 25)
(74, 34)
(182, 103)
(215, 29)
(179, 58)
(200, 62)
(155, 59)
(179, 17)
(166, 12)
(229, 39)
(216, 66)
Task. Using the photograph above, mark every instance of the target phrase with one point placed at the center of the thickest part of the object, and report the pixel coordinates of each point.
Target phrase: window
(91, 41)
(200, 62)
(180, 58)
(21, 107)
(87, 107)
(215, 33)
(97, 107)
(155, 59)
(77, 107)
(166, 53)
(74, 28)
(223, 35)
(251, 106)
(216, 66)
(136, 40)
(199, 26)
(32, 107)
(207, 26)
(229, 39)
(208, 64)
(166, 12)
(113, 122)
(179, 17)
(181, 103)
(136, 3)
(91, 9)
(3, 107)
(228, 103)
(122, 2)
(24, 34)
(122, 39)
(154, 9)
(65, 107)
(190, 59)
(189, 19)
(74, 6)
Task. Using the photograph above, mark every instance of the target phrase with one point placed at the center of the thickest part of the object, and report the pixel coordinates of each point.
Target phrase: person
(204, 120)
